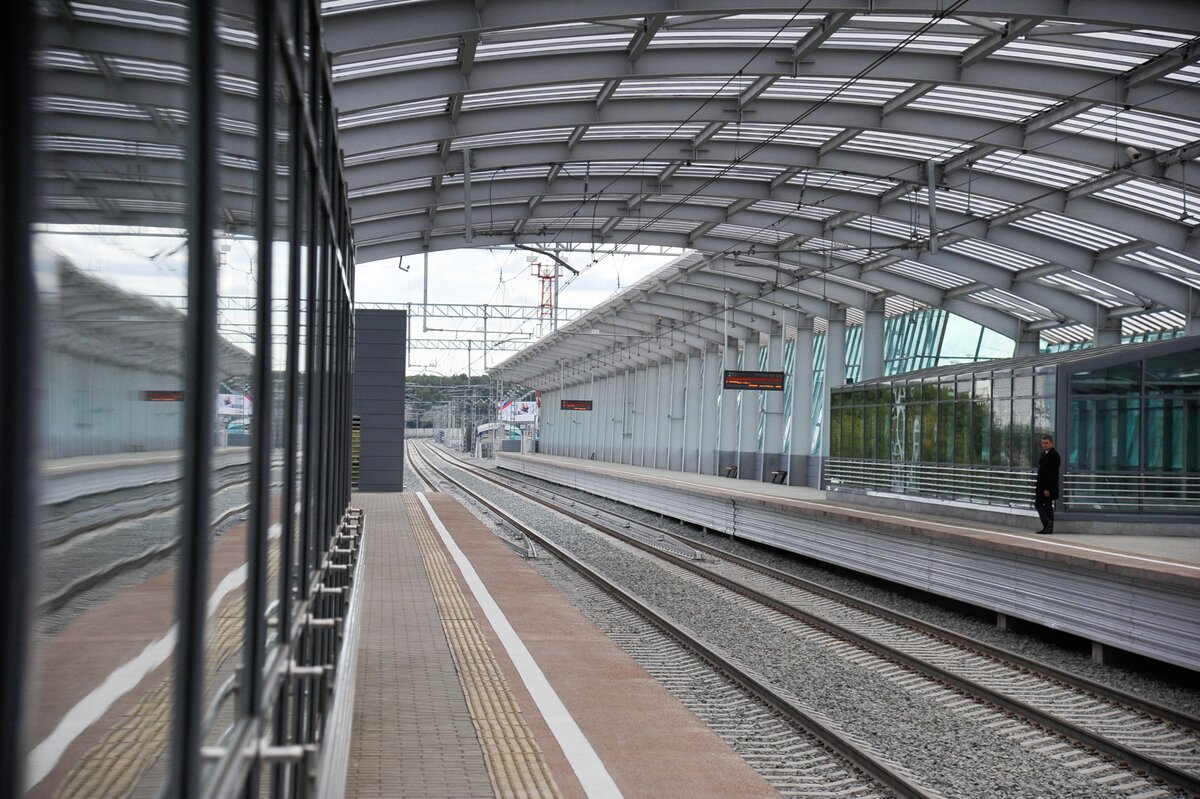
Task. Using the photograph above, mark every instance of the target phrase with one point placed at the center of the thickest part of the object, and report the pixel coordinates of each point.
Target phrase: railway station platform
(477, 678)
(1136, 593)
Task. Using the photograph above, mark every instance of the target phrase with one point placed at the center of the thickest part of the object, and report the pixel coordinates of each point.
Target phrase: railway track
(72, 565)
(1142, 736)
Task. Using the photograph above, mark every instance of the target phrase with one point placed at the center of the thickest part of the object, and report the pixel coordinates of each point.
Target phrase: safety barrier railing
(312, 667)
(986, 485)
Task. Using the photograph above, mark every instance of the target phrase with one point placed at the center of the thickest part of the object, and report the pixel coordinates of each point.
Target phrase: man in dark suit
(1047, 484)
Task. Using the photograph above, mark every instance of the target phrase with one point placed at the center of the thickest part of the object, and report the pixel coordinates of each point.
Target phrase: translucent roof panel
(928, 274)
(529, 95)
(800, 135)
(646, 131)
(994, 254)
(841, 181)
(535, 136)
(1036, 168)
(730, 86)
(1073, 231)
(842, 90)
(1131, 127)
(903, 145)
(1007, 106)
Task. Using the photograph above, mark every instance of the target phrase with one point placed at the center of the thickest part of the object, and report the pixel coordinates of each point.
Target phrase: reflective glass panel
(110, 247)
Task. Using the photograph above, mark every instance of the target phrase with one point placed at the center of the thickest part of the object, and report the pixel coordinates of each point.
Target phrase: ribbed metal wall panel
(1158, 620)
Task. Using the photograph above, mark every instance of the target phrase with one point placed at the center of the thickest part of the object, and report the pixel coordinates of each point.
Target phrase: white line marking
(594, 777)
(911, 520)
(123, 679)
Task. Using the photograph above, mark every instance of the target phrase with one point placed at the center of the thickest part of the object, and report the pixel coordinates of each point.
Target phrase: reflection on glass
(238, 397)
(112, 262)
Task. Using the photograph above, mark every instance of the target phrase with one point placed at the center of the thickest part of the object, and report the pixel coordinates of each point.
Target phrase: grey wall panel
(1143, 614)
(379, 378)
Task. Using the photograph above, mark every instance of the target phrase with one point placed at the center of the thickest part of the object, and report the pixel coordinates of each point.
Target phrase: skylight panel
(816, 212)
(396, 63)
(898, 305)
(994, 254)
(839, 249)
(390, 188)
(522, 48)
(870, 92)
(662, 225)
(644, 168)
(798, 135)
(1036, 168)
(686, 37)
(1017, 306)
(1189, 75)
(390, 154)
(505, 173)
(888, 227)
(902, 145)
(646, 131)
(699, 199)
(1005, 106)
(130, 18)
(732, 171)
(1084, 286)
(1072, 231)
(929, 275)
(1139, 128)
(512, 137)
(746, 233)
(1166, 262)
(929, 42)
(1045, 52)
(1161, 199)
(1068, 334)
(681, 87)
(1155, 322)
(394, 113)
(557, 93)
(102, 108)
(93, 145)
(842, 181)
(962, 202)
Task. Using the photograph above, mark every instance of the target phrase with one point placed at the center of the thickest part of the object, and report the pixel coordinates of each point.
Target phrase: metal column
(691, 414)
(872, 344)
(772, 450)
(835, 371)
(728, 433)
(748, 413)
(710, 420)
(802, 383)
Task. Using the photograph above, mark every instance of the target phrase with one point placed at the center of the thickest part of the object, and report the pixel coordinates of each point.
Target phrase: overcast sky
(154, 262)
(492, 277)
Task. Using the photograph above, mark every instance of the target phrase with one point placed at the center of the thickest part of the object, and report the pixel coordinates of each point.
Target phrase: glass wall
(191, 335)
(1135, 436)
(1129, 430)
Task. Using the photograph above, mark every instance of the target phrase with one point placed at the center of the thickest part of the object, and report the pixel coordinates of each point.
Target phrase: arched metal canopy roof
(797, 141)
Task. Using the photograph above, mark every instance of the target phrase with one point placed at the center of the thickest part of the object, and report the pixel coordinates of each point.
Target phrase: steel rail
(100, 524)
(99, 576)
(1099, 743)
(1077, 682)
(724, 662)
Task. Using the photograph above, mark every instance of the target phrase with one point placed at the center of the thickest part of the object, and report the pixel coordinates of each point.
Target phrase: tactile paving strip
(514, 760)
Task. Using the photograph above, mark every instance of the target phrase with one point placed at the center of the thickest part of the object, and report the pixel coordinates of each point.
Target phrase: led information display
(575, 405)
(761, 381)
(161, 396)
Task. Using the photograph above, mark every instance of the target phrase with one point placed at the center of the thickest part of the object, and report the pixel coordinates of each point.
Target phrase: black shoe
(1045, 532)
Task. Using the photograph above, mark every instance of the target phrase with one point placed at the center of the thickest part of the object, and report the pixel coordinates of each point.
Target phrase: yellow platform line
(514, 760)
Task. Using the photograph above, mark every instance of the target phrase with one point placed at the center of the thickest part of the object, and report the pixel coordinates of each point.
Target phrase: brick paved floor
(413, 735)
